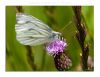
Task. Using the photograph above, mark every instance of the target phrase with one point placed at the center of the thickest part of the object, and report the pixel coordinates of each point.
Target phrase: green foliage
(56, 17)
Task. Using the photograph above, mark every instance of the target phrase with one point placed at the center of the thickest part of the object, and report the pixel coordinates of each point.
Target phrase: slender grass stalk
(49, 13)
(19, 9)
(81, 35)
(49, 10)
(30, 56)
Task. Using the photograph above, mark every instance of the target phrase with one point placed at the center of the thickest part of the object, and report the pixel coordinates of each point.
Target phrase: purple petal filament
(56, 46)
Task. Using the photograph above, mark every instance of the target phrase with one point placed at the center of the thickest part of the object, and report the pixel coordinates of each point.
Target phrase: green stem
(30, 57)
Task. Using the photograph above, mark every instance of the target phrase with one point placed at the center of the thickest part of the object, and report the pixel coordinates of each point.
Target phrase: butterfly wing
(31, 31)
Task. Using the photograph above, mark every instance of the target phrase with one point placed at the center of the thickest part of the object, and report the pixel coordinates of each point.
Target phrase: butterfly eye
(49, 30)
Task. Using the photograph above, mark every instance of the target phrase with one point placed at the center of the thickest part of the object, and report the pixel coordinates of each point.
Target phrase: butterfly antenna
(70, 22)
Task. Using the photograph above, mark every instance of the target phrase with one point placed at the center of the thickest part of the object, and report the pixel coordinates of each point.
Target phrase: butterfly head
(56, 35)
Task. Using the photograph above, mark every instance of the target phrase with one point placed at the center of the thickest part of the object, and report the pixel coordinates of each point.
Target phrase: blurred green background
(56, 17)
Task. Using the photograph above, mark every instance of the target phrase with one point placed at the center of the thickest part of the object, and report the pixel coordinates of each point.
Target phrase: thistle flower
(56, 46)
(62, 62)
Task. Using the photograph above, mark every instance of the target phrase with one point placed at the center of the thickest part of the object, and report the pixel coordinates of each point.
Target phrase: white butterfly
(31, 31)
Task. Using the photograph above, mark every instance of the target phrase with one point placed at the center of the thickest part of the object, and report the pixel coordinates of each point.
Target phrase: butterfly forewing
(31, 31)
(23, 18)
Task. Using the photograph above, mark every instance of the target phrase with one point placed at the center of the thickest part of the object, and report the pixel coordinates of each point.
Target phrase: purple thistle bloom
(56, 46)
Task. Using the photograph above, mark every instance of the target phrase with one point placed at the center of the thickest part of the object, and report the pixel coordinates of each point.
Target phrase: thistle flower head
(62, 62)
(56, 46)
